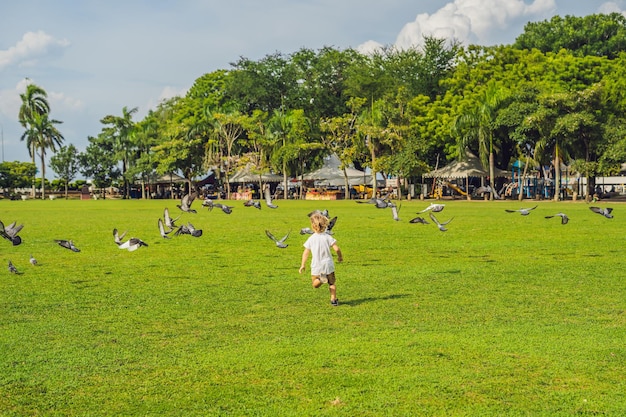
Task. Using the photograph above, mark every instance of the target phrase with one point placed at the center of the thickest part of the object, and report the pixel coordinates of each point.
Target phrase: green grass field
(502, 315)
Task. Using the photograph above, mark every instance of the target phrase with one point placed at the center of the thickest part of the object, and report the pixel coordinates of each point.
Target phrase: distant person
(322, 266)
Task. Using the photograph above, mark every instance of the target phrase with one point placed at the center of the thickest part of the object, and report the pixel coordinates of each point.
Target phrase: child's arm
(305, 256)
(338, 251)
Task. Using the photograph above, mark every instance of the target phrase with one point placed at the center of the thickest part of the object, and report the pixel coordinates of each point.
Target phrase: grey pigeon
(279, 242)
(164, 233)
(33, 261)
(188, 229)
(440, 225)
(306, 231)
(10, 233)
(133, 244)
(418, 219)
(67, 244)
(169, 222)
(268, 199)
(563, 216)
(226, 209)
(394, 211)
(606, 212)
(252, 203)
(12, 268)
(434, 207)
(522, 211)
(185, 203)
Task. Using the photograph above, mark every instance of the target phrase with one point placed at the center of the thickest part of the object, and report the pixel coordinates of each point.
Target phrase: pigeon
(226, 209)
(268, 199)
(439, 225)
(394, 211)
(419, 219)
(435, 208)
(208, 203)
(306, 231)
(377, 202)
(33, 261)
(252, 203)
(185, 203)
(606, 212)
(67, 244)
(164, 233)
(563, 216)
(188, 229)
(279, 242)
(12, 268)
(522, 211)
(322, 212)
(486, 189)
(169, 222)
(10, 233)
(133, 244)
(117, 237)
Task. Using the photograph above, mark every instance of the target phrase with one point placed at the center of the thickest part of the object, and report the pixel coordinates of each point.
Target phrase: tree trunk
(491, 173)
(43, 175)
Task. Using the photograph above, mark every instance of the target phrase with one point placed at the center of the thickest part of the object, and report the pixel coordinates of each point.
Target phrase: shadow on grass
(373, 299)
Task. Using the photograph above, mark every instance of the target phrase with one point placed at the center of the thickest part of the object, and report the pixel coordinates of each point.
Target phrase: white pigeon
(268, 199)
(522, 211)
(434, 207)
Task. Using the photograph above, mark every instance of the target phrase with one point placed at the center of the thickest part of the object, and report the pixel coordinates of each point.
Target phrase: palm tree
(44, 135)
(34, 103)
(121, 130)
(477, 125)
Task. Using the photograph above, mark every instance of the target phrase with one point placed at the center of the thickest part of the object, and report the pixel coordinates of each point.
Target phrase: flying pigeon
(33, 261)
(252, 203)
(188, 229)
(394, 211)
(12, 268)
(162, 231)
(10, 233)
(117, 237)
(606, 212)
(419, 219)
(169, 222)
(322, 212)
(439, 225)
(226, 209)
(522, 211)
(434, 207)
(185, 203)
(279, 242)
(563, 216)
(268, 199)
(67, 244)
(306, 231)
(133, 244)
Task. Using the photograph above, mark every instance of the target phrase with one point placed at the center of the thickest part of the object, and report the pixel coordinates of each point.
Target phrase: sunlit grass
(501, 315)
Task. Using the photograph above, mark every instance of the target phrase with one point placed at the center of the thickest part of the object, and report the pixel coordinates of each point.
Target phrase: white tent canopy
(246, 176)
(331, 174)
(469, 167)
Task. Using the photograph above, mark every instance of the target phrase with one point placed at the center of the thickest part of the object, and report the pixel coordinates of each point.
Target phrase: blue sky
(93, 57)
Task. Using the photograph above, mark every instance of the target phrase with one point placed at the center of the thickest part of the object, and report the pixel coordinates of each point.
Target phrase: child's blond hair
(319, 222)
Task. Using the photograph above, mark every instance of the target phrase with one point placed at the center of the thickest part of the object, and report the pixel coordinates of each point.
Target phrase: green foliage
(472, 321)
(16, 174)
(594, 35)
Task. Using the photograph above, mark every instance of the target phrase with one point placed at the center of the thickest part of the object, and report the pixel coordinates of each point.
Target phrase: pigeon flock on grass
(168, 227)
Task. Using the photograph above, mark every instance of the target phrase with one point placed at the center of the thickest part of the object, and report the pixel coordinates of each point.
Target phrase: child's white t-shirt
(321, 258)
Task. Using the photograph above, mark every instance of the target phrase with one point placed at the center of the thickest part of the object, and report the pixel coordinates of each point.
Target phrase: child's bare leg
(333, 292)
(316, 282)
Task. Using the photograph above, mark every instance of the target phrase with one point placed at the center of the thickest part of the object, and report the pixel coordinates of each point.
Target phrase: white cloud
(611, 7)
(32, 46)
(470, 21)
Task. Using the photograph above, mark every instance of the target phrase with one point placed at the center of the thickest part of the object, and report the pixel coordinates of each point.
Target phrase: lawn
(502, 315)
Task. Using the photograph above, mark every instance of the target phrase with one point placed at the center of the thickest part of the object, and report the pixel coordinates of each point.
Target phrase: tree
(121, 129)
(43, 135)
(34, 103)
(65, 164)
(476, 125)
(16, 175)
(99, 164)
